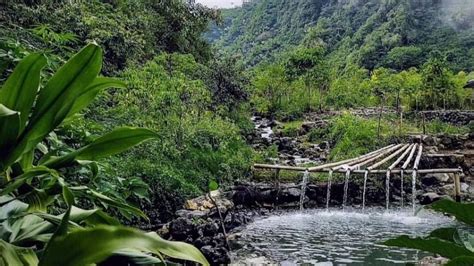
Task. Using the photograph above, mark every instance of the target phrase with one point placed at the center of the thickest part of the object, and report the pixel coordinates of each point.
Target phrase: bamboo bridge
(395, 159)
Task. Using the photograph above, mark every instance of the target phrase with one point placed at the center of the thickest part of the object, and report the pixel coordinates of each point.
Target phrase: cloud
(220, 3)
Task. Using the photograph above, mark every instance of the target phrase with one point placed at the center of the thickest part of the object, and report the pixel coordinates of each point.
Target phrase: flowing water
(387, 191)
(334, 237)
(346, 189)
(413, 191)
(402, 191)
(303, 189)
(366, 175)
(328, 194)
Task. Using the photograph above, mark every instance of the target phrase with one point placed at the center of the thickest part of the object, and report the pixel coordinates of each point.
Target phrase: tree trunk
(380, 118)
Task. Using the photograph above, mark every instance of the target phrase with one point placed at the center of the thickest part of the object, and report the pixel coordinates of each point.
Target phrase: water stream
(346, 189)
(402, 191)
(303, 189)
(366, 175)
(328, 194)
(387, 191)
(335, 237)
(413, 191)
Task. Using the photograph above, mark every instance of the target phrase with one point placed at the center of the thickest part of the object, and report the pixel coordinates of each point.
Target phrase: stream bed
(334, 237)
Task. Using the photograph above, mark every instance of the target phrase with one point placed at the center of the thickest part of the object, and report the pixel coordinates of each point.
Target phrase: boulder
(217, 255)
(430, 197)
(434, 179)
(182, 228)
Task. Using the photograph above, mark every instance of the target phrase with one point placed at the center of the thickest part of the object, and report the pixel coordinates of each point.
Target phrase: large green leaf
(18, 92)
(92, 217)
(88, 246)
(12, 255)
(435, 245)
(448, 234)
(463, 212)
(25, 177)
(115, 142)
(9, 129)
(28, 228)
(111, 143)
(461, 261)
(117, 204)
(99, 84)
(57, 98)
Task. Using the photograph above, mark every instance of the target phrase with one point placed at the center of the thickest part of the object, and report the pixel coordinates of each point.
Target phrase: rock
(324, 145)
(192, 214)
(434, 179)
(210, 229)
(217, 256)
(432, 261)
(430, 141)
(182, 228)
(449, 189)
(191, 205)
(431, 197)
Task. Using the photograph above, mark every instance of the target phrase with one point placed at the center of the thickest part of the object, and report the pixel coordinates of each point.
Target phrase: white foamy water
(336, 237)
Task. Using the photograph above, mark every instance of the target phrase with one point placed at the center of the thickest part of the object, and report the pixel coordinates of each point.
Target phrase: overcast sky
(220, 3)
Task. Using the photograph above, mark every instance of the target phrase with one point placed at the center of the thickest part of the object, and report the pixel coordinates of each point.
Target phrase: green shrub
(440, 127)
(35, 177)
(196, 144)
(354, 136)
(291, 129)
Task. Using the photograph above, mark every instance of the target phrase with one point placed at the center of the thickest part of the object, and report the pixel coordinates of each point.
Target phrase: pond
(335, 237)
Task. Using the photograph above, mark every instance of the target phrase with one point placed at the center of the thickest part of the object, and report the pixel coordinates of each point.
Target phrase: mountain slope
(370, 33)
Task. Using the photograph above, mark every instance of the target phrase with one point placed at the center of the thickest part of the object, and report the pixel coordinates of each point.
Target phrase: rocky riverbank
(213, 229)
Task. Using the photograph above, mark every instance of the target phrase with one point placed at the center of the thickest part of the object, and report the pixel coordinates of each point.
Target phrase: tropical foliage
(455, 244)
(34, 180)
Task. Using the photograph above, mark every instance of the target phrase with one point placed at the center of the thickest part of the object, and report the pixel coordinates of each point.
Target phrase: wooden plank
(388, 158)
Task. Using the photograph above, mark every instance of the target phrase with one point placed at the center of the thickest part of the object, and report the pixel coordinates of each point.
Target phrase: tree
(309, 64)
(405, 57)
(383, 83)
(437, 80)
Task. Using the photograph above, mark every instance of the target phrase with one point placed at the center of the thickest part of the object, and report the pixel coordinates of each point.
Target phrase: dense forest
(188, 79)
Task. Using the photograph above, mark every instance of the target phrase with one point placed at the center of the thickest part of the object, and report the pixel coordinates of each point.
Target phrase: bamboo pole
(375, 171)
(329, 165)
(394, 164)
(281, 167)
(418, 157)
(410, 157)
(357, 160)
(388, 158)
(457, 187)
(376, 157)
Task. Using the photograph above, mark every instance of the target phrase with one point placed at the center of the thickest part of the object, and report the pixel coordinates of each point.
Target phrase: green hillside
(395, 34)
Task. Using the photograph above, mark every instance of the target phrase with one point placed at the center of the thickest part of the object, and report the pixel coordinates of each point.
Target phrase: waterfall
(387, 191)
(413, 191)
(402, 192)
(328, 194)
(346, 188)
(365, 188)
(303, 189)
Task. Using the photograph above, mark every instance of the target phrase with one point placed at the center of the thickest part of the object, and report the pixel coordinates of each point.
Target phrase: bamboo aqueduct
(398, 159)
